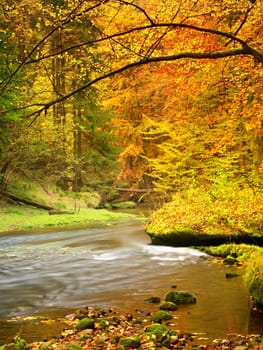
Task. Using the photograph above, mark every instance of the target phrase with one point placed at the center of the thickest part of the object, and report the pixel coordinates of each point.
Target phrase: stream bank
(235, 311)
(113, 265)
(93, 328)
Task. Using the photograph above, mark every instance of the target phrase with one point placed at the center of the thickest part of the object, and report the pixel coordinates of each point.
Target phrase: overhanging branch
(170, 26)
(142, 62)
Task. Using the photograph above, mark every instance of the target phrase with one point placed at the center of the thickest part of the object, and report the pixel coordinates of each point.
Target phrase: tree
(10, 94)
(243, 21)
(56, 142)
(132, 35)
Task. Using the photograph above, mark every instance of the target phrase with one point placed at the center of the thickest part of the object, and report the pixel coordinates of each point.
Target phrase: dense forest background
(137, 94)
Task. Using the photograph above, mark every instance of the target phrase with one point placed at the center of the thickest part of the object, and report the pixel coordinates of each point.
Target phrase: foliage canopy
(177, 86)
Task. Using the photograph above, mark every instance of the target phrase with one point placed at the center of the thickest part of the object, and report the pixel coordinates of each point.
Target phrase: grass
(14, 218)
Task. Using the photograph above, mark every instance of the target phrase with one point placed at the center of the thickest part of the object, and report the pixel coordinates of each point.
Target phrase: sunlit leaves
(198, 116)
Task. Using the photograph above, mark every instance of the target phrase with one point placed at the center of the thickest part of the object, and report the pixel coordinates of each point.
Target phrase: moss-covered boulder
(153, 300)
(199, 218)
(230, 260)
(161, 315)
(130, 342)
(85, 323)
(180, 297)
(254, 279)
(157, 332)
(168, 305)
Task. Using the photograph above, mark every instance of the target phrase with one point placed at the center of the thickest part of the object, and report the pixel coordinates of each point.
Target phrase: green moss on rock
(157, 331)
(161, 315)
(84, 324)
(130, 342)
(168, 305)
(180, 297)
(254, 279)
(153, 300)
(230, 260)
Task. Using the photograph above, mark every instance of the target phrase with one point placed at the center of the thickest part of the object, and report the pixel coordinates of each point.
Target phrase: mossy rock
(153, 300)
(254, 279)
(232, 274)
(124, 205)
(130, 342)
(168, 305)
(157, 331)
(230, 260)
(161, 315)
(180, 297)
(104, 324)
(84, 324)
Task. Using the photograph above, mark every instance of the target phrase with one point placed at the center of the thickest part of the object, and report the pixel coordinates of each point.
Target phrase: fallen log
(25, 201)
(140, 190)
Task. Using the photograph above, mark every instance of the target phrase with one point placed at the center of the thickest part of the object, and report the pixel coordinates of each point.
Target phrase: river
(114, 265)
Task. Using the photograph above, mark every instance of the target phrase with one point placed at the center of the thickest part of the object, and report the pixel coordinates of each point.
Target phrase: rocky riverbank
(107, 329)
(199, 219)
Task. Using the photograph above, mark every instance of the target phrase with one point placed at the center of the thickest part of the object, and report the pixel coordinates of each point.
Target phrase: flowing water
(116, 266)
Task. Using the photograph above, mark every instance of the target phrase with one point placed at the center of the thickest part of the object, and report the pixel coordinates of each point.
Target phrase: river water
(115, 265)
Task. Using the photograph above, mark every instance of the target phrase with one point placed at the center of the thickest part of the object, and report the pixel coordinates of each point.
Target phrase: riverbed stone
(180, 297)
(153, 300)
(232, 274)
(230, 260)
(130, 342)
(161, 315)
(168, 305)
(157, 331)
(85, 323)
